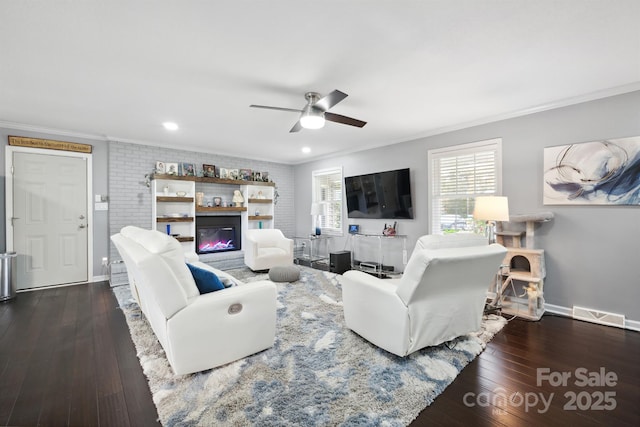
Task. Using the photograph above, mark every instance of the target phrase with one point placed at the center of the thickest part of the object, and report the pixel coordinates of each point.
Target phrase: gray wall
(100, 165)
(592, 252)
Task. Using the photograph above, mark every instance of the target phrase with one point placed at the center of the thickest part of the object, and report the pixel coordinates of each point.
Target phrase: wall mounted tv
(382, 195)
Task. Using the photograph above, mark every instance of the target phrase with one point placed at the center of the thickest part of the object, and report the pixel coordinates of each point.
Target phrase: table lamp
(491, 209)
(318, 209)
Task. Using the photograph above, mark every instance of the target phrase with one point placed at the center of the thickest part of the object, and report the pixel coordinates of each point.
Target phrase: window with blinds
(327, 193)
(458, 174)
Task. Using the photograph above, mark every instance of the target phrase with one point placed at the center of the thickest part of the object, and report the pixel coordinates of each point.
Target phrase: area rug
(318, 373)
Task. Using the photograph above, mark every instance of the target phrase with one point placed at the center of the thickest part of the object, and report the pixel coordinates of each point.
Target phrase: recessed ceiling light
(306, 149)
(170, 126)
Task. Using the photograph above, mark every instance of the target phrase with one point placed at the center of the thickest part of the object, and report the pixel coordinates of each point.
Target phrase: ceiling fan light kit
(314, 114)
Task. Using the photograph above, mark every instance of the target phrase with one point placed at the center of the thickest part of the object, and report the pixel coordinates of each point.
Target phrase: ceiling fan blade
(297, 127)
(330, 100)
(337, 118)
(266, 107)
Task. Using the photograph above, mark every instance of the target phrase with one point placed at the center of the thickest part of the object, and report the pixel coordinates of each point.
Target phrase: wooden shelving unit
(176, 199)
(265, 201)
(213, 180)
(174, 219)
(260, 217)
(205, 209)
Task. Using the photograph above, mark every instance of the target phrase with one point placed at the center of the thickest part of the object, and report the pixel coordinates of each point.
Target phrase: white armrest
(223, 326)
(373, 309)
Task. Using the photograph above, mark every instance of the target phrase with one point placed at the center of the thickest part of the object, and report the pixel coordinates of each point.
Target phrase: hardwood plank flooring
(67, 359)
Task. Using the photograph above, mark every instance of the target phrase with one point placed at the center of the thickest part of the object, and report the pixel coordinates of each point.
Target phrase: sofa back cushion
(446, 241)
(171, 252)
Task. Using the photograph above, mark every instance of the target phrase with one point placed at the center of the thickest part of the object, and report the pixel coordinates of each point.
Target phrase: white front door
(49, 219)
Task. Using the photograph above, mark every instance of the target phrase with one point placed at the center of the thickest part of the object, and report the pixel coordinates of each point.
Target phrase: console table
(379, 255)
(312, 251)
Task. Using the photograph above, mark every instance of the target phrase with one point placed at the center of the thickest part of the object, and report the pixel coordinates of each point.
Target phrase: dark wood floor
(66, 358)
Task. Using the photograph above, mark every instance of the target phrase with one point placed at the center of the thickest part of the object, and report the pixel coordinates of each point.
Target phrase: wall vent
(596, 316)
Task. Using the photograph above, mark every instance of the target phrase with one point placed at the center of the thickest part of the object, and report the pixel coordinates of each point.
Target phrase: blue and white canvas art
(603, 172)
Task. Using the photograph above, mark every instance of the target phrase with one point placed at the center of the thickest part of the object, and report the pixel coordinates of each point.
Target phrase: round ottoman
(284, 273)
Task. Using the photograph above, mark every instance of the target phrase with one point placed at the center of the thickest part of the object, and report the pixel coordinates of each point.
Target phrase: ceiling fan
(314, 114)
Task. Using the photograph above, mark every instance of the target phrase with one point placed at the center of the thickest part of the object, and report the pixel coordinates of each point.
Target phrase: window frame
(315, 193)
(494, 144)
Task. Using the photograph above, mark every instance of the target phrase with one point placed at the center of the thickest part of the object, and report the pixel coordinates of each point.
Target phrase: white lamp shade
(491, 208)
(318, 209)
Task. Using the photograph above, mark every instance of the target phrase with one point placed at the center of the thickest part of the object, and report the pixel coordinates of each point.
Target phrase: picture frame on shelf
(160, 167)
(209, 171)
(224, 173)
(234, 174)
(245, 174)
(187, 169)
(265, 177)
(171, 168)
(257, 176)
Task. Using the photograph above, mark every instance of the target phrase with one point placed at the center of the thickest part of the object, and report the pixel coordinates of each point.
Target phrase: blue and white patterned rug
(318, 373)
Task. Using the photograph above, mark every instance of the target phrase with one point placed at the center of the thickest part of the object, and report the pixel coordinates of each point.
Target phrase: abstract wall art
(603, 172)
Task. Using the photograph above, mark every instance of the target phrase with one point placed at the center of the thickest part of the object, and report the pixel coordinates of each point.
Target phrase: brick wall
(130, 198)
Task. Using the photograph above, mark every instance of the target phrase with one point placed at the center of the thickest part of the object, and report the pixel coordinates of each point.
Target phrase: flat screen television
(381, 195)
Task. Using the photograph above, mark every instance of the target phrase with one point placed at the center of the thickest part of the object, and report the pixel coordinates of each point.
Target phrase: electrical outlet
(105, 261)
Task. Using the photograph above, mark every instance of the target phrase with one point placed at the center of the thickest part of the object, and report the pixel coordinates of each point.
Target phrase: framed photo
(187, 169)
(234, 174)
(224, 173)
(265, 176)
(171, 168)
(245, 174)
(160, 167)
(209, 171)
(257, 176)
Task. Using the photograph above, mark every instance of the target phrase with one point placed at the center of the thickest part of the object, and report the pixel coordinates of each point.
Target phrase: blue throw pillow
(206, 281)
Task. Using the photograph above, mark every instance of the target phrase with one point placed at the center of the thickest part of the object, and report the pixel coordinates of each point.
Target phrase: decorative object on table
(593, 173)
(354, 228)
(187, 169)
(317, 210)
(238, 199)
(171, 168)
(245, 174)
(160, 168)
(224, 173)
(310, 367)
(209, 171)
(217, 201)
(390, 230)
(491, 209)
(181, 193)
(199, 198)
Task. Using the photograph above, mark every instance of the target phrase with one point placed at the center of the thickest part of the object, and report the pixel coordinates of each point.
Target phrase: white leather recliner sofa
(265, 248)
(440, 296)
(197, 332)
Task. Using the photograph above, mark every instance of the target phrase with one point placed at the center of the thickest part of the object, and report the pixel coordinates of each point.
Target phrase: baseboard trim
(633, 325)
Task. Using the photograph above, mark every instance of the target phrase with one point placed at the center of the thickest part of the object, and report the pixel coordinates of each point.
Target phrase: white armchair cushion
(266, 248)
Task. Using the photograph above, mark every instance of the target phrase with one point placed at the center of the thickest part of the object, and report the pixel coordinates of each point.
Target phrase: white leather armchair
(440, 296)
(197, 332)
(265, 248)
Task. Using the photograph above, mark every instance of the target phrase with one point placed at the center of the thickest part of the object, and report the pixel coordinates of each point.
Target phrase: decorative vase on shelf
(238, 199)
(217, 201)
(199, 198)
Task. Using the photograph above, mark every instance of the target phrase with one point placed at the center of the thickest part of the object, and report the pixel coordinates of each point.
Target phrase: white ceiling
(119, 69)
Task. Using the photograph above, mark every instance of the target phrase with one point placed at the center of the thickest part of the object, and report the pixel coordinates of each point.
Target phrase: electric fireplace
(217, 234)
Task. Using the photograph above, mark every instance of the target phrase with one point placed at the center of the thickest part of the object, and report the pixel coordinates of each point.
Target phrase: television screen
(384, 195)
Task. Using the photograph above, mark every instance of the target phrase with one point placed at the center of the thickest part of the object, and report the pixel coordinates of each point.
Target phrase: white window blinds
(327, 193)
(458, 174)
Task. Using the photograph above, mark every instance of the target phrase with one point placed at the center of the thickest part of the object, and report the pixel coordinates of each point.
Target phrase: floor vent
(601, 317)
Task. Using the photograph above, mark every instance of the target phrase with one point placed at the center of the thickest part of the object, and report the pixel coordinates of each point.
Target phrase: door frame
(9, 151)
